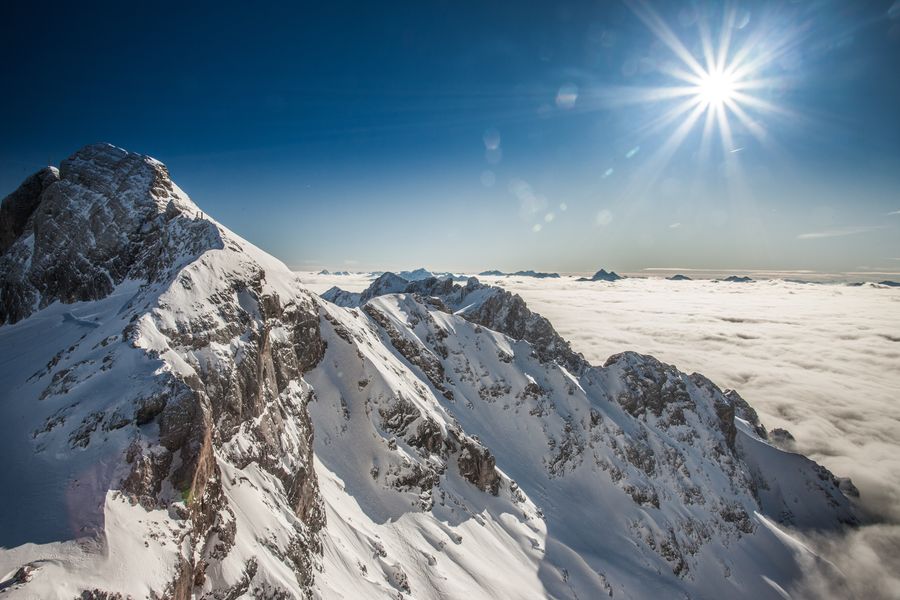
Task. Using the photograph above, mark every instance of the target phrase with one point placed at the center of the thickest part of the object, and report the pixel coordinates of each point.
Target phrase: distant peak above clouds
(602, 275)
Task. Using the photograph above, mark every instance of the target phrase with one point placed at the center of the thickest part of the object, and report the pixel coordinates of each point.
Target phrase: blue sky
(469, 135)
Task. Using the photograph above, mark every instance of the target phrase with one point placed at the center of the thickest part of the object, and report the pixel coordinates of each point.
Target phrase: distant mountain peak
(535, 274)
(602, 275)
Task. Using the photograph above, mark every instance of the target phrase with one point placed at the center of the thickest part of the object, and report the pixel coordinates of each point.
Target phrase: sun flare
(720, 81)
(716, 88)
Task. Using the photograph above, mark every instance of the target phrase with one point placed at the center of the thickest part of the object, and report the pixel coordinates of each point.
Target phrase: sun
(716, 89)
(719, 81)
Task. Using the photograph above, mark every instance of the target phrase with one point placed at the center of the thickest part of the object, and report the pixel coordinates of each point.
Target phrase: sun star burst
(723, 84)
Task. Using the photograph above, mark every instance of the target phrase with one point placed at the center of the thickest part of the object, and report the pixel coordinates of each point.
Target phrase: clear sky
(475, 135)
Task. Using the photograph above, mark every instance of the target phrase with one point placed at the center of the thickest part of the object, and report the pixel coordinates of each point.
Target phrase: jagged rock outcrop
(478, 466)
(386, 283)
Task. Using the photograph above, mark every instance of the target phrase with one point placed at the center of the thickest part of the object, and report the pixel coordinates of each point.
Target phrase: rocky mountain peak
(75, 233)
(602, 275)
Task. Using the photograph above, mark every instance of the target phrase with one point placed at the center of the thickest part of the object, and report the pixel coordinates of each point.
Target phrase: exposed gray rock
(111, 215)
(478, 466)
(341, 297)
(388, 283)
(535, 274)
(17, 208)
(782, 438)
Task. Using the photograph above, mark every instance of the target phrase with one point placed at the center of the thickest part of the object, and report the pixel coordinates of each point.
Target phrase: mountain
(737, 279)
(602, 275)
(181, 418)
(889, 283)
(419, 274)
(536, 274)
(416, 274)
(493, 273)
(679, 277)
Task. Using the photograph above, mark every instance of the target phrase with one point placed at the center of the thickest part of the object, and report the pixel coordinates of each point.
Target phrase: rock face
(341, 297)
(204, 427)
(387, 283)
(536, 274)
(122, 233)
(17, 208)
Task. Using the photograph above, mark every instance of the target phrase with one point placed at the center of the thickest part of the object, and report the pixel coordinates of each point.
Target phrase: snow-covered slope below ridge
(162, 380)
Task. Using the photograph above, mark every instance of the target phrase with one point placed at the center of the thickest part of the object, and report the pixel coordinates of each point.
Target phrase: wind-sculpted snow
(159, 411)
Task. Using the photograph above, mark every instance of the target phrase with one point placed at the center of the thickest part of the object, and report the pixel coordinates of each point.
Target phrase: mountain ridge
(232, 434)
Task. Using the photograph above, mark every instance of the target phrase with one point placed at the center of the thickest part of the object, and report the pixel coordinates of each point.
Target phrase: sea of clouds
(820, 360)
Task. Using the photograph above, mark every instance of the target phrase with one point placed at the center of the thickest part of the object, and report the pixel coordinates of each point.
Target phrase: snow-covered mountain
(182, 418)
(422, 273)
